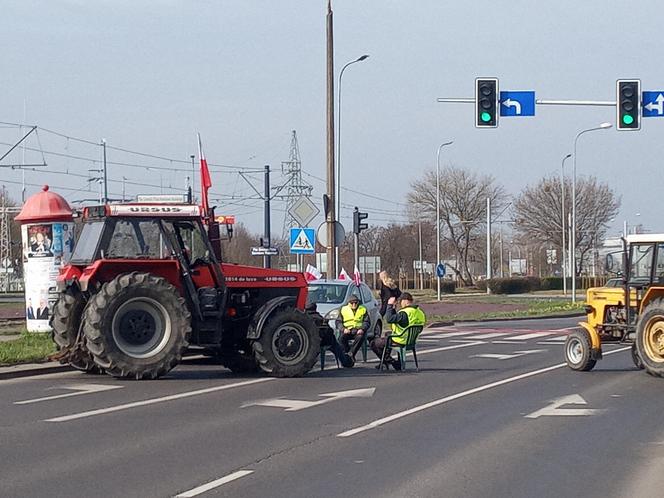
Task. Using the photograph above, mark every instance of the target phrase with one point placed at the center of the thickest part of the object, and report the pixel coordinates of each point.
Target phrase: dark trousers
(327, 338)
(357, 336)
(377, 346)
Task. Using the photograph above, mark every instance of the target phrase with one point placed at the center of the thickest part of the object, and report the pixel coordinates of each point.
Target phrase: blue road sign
(653, 104)
(517, 103)
(302, 240)
(440, 270)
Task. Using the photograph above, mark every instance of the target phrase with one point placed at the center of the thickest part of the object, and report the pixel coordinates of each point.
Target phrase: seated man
(353, 323)
(409, 314)
(327, 338)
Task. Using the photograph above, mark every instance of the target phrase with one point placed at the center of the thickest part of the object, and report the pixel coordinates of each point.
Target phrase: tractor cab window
(641, 263)
(132, 239)
(659, 264)
(86, 247)
(194, 246)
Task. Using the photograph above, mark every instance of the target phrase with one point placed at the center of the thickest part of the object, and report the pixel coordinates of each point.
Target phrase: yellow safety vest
(353, 320)
(415, 317)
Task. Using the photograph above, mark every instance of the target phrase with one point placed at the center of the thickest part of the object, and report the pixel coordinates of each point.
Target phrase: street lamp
(562, 218)
(603, 126)
(338, 175)
(438, 211)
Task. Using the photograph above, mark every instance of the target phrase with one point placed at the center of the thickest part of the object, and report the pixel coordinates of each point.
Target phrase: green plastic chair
(410, 333)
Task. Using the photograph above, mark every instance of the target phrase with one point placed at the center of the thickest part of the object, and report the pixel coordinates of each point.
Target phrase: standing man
(409, 314)
(353, 323)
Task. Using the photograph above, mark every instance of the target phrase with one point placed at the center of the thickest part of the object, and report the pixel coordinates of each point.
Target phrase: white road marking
(214, 484)
(294, 405)
(560, 338)
(447, 399)
(530, 335)
(554, 410)
(490, 335)
(446, 335)
(516, 354)
(420, 352)
(79, 388)
(153, 401)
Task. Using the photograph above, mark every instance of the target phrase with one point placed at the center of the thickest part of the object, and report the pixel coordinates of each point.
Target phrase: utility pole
(267, 261)
(193, 178)
(488, 243)
(331, 211)
(5, 241)
(419, 234)
(105, 200)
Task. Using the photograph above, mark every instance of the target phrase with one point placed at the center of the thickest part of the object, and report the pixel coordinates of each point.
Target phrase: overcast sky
(148, 75)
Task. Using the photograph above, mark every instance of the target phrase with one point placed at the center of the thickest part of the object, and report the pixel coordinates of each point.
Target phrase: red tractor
(145, 282)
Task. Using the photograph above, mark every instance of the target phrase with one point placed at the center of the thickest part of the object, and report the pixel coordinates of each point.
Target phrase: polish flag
(206, 181)
(344, 275)
(357, 278)
(312, 273)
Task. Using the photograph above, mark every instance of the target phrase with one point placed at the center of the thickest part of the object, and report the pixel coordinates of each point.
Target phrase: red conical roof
(45, 206)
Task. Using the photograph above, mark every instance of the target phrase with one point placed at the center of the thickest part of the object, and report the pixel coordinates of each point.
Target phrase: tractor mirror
(608, 263)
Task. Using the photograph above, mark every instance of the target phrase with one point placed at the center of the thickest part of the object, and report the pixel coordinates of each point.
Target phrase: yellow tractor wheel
(650, 337)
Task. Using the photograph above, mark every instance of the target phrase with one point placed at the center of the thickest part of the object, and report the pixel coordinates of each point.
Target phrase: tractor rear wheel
(650, 337)
(289, 344)
(638, 363)
(137, 326)
(577, 351)
(65, 322)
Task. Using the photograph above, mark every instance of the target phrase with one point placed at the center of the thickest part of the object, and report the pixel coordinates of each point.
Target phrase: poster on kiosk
(47, 234)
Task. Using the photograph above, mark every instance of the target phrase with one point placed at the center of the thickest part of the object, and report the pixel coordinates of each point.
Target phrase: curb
(29, 369)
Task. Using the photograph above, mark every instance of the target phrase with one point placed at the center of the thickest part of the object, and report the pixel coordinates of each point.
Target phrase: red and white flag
(206, 181)
(344, 275)
(357, 278)
(312, 273)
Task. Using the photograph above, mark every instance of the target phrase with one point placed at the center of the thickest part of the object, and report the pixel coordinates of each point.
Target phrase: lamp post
(562, 220)
(438, 211)
(603, 126)
(338, 175)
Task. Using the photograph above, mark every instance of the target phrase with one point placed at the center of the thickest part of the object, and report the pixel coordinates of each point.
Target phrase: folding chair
(410, 333)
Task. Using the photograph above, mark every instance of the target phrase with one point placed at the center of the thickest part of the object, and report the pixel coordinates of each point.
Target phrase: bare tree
(238, 250)
(538, 212)
(463, 197)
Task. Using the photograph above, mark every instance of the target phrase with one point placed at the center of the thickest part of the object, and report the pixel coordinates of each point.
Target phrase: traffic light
(628, 104)
(486, 102)
(358, 226)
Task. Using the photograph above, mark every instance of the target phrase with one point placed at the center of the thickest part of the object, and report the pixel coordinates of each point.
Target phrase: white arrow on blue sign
(653, 104)
(517, 103)
(302, 241)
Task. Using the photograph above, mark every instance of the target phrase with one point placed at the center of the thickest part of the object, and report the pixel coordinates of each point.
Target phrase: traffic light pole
(356, 244)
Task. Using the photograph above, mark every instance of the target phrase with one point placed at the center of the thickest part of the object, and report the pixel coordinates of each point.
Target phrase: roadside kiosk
(47, 233)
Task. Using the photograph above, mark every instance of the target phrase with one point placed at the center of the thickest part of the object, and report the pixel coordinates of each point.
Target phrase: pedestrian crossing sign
(302, 241)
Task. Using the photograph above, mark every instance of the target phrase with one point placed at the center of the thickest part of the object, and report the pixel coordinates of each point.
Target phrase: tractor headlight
(588, 309)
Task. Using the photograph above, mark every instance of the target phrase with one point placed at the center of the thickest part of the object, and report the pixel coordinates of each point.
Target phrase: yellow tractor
(632, 313)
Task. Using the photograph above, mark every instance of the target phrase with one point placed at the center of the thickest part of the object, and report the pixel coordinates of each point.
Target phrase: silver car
(331, 295)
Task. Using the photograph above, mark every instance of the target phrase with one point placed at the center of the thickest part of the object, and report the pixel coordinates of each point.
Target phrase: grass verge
(532, 308)
(28, 348)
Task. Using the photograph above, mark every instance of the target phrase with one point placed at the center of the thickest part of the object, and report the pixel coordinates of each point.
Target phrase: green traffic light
(627, 119)
(486, 117)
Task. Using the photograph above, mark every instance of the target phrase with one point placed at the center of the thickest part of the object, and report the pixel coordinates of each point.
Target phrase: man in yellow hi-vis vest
(353, 323)
(409, 314)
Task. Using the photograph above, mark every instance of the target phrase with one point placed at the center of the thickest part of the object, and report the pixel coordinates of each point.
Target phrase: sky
(146, 76)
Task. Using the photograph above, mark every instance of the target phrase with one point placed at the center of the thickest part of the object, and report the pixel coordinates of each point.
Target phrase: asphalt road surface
(493, 412)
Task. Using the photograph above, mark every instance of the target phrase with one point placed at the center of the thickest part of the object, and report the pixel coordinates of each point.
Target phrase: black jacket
(385, 294)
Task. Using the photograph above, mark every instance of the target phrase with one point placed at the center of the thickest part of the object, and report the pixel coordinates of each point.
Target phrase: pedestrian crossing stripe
(302, 241)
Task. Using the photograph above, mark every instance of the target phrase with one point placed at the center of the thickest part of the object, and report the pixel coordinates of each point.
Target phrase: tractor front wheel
(65, 322)
(137, 326)
(288, 345)
(577, 351)
(650, 337)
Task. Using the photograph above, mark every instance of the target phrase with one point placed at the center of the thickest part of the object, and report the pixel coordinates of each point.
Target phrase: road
(493, 411)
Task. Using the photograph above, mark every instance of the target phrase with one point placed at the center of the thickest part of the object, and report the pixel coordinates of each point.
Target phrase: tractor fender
(595, 343)
(262, 314)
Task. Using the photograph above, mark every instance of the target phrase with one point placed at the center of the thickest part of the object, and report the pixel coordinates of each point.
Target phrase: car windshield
(327, 293)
